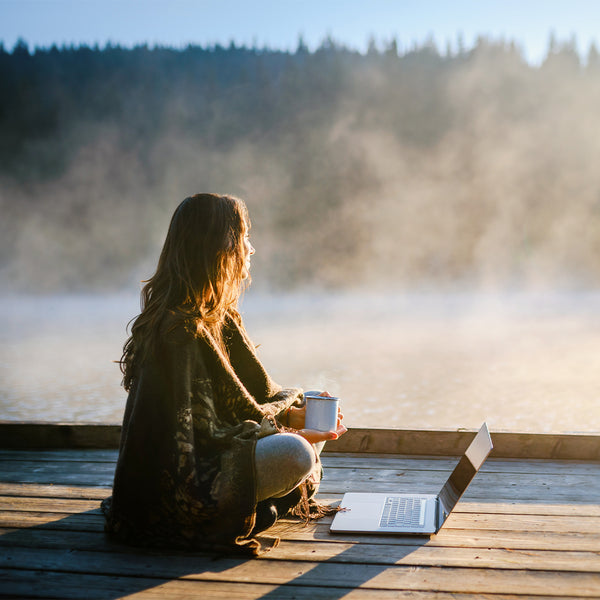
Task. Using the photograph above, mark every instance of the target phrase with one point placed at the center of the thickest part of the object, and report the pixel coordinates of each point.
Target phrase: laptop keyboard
(403, 512)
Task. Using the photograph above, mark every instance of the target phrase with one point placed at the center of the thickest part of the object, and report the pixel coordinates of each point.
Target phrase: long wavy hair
(200, 274)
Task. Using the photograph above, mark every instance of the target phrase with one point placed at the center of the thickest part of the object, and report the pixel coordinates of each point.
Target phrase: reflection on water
(523, 362)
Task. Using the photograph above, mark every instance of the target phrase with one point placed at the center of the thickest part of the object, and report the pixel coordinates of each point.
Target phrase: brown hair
(200, 274)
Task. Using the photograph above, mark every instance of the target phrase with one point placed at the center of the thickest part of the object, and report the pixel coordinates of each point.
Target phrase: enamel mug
(321, 413)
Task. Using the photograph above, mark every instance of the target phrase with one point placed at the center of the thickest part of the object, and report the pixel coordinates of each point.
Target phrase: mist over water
(472, 170)
(523, 362)
(56, 357)
(427, 227)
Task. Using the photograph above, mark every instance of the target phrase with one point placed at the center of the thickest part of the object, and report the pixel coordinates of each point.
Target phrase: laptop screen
(465, 470)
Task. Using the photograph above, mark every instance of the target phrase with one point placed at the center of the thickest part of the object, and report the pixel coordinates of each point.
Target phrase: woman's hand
(296, 417)
(314, 436)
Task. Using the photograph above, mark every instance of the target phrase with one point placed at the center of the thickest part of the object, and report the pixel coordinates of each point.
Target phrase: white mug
(321, 412)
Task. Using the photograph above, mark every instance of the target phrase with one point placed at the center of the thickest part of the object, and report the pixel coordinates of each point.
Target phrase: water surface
(523, 362)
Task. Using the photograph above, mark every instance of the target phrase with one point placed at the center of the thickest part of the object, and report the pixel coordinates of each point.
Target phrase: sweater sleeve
(268, 398)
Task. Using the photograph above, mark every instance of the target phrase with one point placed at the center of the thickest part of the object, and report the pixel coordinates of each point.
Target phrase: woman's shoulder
(179, 328)
(233, 321)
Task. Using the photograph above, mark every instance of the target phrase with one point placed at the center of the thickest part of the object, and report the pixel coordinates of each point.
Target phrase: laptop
(418, 514)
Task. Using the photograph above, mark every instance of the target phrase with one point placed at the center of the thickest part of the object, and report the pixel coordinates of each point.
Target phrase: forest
(389, 169)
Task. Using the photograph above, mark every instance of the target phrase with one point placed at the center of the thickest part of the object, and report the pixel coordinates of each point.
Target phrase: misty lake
(523, 362)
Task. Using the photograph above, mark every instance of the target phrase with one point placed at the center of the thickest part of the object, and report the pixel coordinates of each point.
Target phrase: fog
(427, 227)
(474, 171)
(523, 362)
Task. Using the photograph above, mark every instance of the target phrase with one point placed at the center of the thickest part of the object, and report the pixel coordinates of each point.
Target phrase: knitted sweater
(185, 476)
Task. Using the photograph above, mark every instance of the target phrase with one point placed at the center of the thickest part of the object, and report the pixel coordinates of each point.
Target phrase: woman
(212, 450)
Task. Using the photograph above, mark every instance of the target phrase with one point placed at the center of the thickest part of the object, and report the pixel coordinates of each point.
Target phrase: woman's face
(248, 252)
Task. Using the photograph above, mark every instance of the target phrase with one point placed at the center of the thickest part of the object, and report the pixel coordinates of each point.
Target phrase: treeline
(384, 169)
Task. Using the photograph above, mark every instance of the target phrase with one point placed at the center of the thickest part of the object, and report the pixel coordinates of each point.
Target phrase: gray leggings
(283, 461)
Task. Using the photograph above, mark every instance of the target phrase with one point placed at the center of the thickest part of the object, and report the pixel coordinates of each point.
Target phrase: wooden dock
(526, 528)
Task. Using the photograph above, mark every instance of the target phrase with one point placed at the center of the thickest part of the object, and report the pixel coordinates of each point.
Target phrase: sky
(278, 24)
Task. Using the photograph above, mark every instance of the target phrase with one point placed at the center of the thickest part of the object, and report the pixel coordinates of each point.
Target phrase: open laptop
(419, 514)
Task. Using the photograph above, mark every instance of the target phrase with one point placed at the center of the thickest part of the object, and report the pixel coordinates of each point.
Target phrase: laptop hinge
(440, 515)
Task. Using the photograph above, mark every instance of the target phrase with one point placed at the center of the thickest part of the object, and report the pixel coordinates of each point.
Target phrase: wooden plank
(64, 479)
(580, 484)
(440, 556)
(75, 505)
(588, 514)
(301, 573)
(546, 523)
(489, 516)
(569, 485)
(553, 489)
(389, 554)
(515, 523)
(71, 503)
(16, 434)
(61, 473)
(334, 459)
(62, 505)
(476, 493)
(26, 467)
(70, 454)
(584, 490)
(453, 443)
(492, 490)
(19, 434)
(516, 540)
(534, 531)
(394, 476)
(54, 491)
(34, 471)
(42, 537)
(31, 491)
(45, 584)
(414, 551)
(540, 529)
(403, 462)
(561, 488)
(88, 521)
(49, 534)
(521, 508)
(358, 462)
(514, 507)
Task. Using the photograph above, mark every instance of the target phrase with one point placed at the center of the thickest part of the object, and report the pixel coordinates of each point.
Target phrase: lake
(523, 362)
